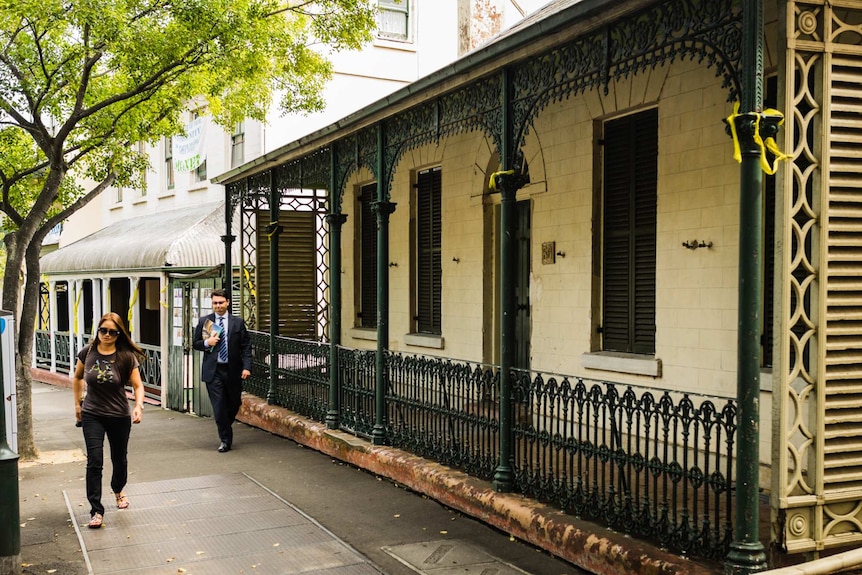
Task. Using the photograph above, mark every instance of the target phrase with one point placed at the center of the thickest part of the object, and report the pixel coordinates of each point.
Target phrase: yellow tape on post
(492, 184)
(131, 314)
(765, 145)
(75, 311)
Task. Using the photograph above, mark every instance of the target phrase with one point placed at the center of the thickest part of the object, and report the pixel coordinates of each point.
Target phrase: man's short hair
(219, 292)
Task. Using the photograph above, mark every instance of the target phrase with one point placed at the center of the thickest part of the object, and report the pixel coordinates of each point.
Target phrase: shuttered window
(367, 314)
(428, 241)
(629, 233)
(297, 274)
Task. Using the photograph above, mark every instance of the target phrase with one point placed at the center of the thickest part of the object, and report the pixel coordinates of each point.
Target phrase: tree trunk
(12, 302)
(26, 337)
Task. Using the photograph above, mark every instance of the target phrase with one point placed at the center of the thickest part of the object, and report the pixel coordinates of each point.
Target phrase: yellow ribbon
(764, 145)
(75, 311)
(274, 226)
(248, 281)
(492, 185)
(132, 301)
(162, 301)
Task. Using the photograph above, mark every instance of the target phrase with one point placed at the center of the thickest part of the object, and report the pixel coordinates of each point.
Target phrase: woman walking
(107, 365)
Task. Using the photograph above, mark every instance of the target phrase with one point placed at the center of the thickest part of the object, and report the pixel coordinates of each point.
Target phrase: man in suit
(227, 361)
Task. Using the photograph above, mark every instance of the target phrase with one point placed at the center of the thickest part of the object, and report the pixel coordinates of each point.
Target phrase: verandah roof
(187, 237)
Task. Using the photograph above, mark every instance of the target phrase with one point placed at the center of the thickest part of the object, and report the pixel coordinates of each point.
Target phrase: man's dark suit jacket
(238, 348)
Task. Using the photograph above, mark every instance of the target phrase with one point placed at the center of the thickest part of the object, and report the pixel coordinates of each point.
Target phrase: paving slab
(220, 524)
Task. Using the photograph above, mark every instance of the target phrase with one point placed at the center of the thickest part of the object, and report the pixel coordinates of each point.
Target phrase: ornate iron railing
(647, 463)
(651, 463)
(42, 351)
(444, 410)
(151, 371)
(357, 373)
(151, 365)
(301, 374)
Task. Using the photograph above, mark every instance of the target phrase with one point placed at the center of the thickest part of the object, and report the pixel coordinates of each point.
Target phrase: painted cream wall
(464, 159)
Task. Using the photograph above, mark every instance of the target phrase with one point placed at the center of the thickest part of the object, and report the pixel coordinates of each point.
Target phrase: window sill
(632, 363)
(424, 340)
(363, 333)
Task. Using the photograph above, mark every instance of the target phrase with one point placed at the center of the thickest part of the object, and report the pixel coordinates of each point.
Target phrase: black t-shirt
(106, 391)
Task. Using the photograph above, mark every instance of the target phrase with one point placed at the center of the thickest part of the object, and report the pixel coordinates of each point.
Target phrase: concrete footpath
(289, 498)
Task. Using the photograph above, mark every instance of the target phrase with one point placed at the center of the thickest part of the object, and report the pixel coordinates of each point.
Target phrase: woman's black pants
(96, 427)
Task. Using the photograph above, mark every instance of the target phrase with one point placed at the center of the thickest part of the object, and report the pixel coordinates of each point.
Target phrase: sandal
(122, 500)
(95, 521)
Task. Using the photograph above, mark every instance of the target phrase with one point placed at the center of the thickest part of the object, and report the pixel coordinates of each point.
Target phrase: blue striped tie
(222, 342)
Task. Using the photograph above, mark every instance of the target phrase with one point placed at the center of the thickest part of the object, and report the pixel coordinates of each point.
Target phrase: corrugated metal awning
(181, 238)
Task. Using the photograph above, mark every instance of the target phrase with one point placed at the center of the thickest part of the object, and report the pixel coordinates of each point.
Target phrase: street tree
(82, 81)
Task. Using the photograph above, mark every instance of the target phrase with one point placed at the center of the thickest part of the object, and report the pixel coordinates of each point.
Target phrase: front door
(190, 300)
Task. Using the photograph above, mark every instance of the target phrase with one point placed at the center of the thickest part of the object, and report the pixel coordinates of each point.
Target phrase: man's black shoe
(223, 447)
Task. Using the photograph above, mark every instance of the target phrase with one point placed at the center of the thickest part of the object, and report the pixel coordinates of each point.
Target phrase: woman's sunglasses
(111, 332)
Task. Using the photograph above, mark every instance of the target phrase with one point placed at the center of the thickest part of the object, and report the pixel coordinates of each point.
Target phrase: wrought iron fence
(651, 463)
(357, 372)
(42, 355)
(444, 410)
(648, 463)
(301, 370)
(151, 371)
(151, 365)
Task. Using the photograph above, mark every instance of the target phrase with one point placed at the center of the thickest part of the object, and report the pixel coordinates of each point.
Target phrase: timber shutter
(297, 274)
(367, 257)
(428, 235)
(629, 227)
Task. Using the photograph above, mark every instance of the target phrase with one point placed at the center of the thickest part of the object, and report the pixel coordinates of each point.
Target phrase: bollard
(10, 514)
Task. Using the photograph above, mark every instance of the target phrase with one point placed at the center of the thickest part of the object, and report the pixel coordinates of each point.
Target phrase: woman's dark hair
(127, 350)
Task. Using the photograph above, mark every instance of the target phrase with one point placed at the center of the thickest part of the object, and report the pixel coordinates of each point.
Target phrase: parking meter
(10, 513)
(10, 393)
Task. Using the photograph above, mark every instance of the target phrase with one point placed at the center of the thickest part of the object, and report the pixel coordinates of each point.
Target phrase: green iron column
(273, 231)
(746, 551)
(503, 475)
(228, 240)
(383, 208)
(508, 182)
(336, 221)
(10, 513)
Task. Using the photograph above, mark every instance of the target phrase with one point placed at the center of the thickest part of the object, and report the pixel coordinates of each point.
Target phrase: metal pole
(508, 186)
(228, 239)
(383, 208)
(746, 551)
(336, 221)
(273, 232)
(10, 514)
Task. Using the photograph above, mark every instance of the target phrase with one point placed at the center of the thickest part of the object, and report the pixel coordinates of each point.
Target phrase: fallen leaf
(444, 533)
(169, 559)
(397, 515)
(276, 544)
(52, 571)
(200, 552)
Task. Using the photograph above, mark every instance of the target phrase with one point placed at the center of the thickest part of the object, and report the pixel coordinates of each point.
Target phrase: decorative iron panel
(817, 477)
